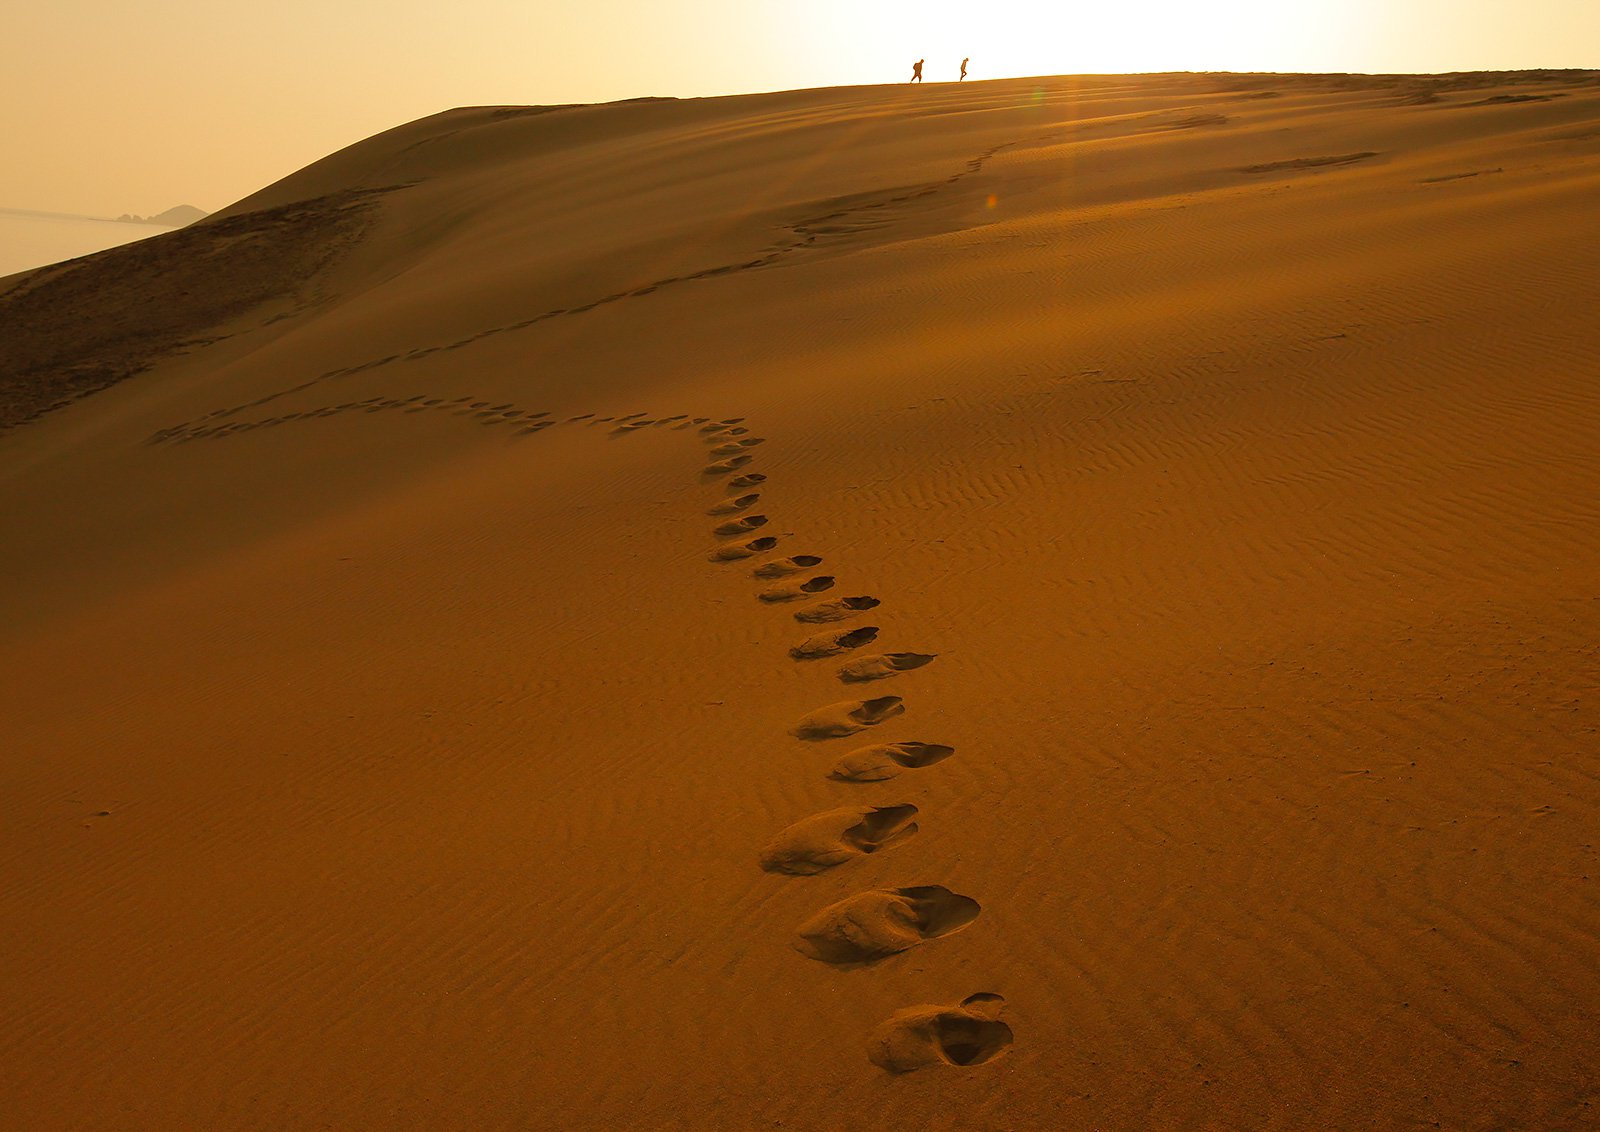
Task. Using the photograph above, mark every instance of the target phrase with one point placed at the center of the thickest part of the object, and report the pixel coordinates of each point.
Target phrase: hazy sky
(109, 107)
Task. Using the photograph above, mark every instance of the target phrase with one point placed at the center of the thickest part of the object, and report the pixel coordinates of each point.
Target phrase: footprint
(725, 467)
(739, 526)
(794, 591)
(883, 666)
(965, 1035)
(744, 549)
(832, 838)
(847, 717)
(786, 566)
(834, 642)
(836, 610)
(734, 447)
(885, 760)
(749, 479)
(871, 925)
(734, 503)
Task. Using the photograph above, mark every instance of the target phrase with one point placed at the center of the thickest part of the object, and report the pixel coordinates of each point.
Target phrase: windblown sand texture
(437, 692)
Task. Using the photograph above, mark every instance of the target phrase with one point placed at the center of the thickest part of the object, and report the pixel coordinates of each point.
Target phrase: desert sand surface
(1042, 604)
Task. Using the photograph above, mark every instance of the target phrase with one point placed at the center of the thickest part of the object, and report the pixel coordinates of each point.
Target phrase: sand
(392, 742)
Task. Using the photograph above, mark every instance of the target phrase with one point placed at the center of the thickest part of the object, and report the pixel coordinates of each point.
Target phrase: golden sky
(109, 107)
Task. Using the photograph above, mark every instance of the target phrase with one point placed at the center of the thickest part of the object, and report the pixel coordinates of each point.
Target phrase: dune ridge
(402, 708)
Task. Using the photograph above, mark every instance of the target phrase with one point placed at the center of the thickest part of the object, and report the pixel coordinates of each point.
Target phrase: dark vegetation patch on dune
(74, 328)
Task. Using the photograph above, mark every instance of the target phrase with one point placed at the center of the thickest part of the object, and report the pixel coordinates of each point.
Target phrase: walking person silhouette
(916, 71)
(964, 63)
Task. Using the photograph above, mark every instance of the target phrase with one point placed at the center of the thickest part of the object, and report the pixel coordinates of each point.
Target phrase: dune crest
(441, 585)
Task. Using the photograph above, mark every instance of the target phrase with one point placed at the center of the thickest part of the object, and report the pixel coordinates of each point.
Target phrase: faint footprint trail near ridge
(806, 232)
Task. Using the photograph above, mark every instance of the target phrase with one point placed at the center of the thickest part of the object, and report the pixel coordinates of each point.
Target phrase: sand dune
(1062, 603)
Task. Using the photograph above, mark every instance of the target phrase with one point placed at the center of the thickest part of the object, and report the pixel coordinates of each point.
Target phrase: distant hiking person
(964, 63)
(916, 71)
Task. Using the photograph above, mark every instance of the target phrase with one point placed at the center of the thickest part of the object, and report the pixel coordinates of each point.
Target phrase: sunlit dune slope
(1065, 603)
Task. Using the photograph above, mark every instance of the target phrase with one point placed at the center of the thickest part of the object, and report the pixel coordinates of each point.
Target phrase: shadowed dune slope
(393, 740)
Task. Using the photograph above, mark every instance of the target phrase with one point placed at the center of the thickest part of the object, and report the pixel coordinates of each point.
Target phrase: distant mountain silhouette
(172, 218)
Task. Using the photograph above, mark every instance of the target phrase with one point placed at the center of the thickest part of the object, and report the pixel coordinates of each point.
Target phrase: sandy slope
(383, 751)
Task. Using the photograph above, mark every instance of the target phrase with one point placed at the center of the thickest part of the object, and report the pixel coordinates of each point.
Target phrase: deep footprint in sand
(736, 527)
(836, 610)
(734, 447)
(744, 549)
(846, 718)
(733, 503)
(885, 760)
(794, 591)
(786, 566)
(832, 838)
(834, 642)
(749, 479)
(966, 1035)
(883, 666)
(871, 925)
(724, 467)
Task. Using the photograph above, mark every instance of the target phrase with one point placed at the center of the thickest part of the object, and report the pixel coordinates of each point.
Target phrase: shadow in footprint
(834, 642)
(836, 610)
(725, 467)
(735, 527)
(871, 925)
(786, 566)
(965, 1035)
(883, 666)
(749, 479)
(733, 503)
(832, 838)
(885, 760)
(744, 549)
(794, 591)
(838, 720)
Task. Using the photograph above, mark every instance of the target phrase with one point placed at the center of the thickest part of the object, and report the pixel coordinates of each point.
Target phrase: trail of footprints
(844, 219)
(874, 925)
(868, 927)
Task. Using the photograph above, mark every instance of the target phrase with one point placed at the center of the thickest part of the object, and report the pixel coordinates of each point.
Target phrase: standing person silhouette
(916, 71)
(964, 63)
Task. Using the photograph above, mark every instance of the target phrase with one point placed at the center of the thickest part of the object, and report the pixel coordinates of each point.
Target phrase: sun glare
(1032, 37)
